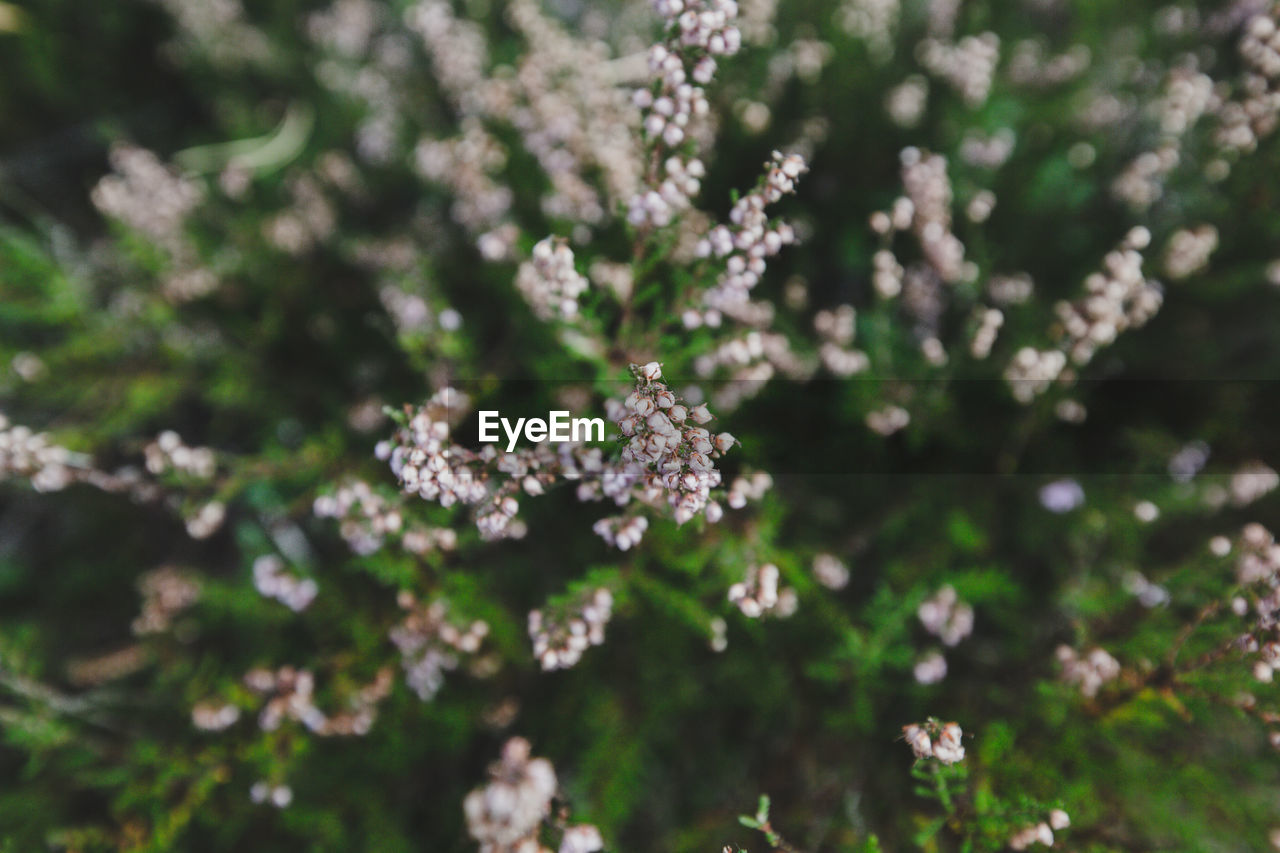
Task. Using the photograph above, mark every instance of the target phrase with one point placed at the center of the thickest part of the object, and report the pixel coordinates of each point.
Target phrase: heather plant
(931, 345)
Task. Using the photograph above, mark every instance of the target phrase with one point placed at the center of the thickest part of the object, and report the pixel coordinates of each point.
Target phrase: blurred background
(269, 227)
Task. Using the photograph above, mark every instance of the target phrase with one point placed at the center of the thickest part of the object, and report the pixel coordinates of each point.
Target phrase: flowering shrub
(931, 341)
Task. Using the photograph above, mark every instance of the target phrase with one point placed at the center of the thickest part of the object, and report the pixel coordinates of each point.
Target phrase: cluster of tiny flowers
(830, 571)
(465, 164)
(930, 668)
(1188, 251)
(206, 520)
(504, 816)
(758, 594)
(272, 581)
(886, 273)
(147, 195)
(906, 102)
(1117, 298)
(430, 644)
(622, 532)
(1254, 115)
(583, 838)
(425, 462)
(1030, 66)
(1013, 289)
(989, 322)
(748, 488)
(1061, 496)
(700, 30)
(1141, 183)
(1140, 587)
(366, 517)
(549, 282)
(1251, 482)
(1040, 833)
(989, 152)
(968, 66)
(214, 716)
(1032, 371)
(168, 453)
(290, 695)
(664, 435)
(1090, 672)
(873, 21)
(928, 189)
(837, 330)
(166, 592)
(32, 457)
(279, 796)
(934, 739)
(946, 617)
(560, 640)
(888, 420)
(750, 238)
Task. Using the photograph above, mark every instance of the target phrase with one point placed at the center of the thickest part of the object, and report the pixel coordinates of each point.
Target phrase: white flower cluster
(1015, 289)
(1251, 482)
(888, 420)
(31, 456)
(425, 462)
(830, 571)
(147, 195)
(583, 838)
(1141, 184)
(873, 21)
(934, 739)
(887, 273)
(758, 594)
(1254, 115)
(928, 189)
(1188, 94)
(168, 453)
(906, 102)
(366, 517)
(748, 488)
(1259, 555)
(700, 30)
(549, 282)
(1117, 298)
(989, 152)
(272, 581)
(279, 796)
(1090, 672)
(750, 238)
(930, 668)
(968, 65)
(1188, 251)
(206, 520)
(836, 328)
(622, 531)
(291, 696)
(1042, 832)
(166, 592)
(504, 816)
(1030, 66)
(1032, 371)
(466, 164)
(560, 640)
(946, 617)
(984, 337)
(666, 437)
(214, 716)
(430, 644)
